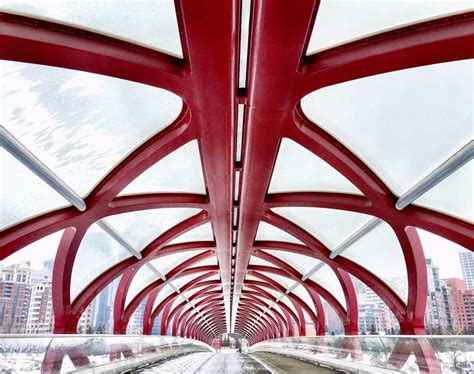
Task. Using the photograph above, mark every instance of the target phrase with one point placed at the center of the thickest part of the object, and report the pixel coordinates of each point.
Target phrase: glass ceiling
(215, 175)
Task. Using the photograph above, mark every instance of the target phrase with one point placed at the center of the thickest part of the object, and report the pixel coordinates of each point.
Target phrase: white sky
(444, 254)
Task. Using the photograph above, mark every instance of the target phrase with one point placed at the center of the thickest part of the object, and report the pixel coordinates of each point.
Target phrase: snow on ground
(206, 363)
(186, 364)
(232, 363)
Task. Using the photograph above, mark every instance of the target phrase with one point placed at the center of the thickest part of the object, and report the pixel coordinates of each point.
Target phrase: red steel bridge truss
(279, 75)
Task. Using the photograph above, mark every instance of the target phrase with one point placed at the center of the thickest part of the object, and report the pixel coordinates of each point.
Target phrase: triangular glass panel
(266, 231)
(330, 226)
(142, 227)
(200, 233)
(180, 171)
(298, 169)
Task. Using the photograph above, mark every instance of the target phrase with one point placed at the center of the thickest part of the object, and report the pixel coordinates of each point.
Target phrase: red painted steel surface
(279, 76)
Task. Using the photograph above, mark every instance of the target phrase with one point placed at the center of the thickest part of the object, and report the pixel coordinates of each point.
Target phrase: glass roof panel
(327, 279)
(180, 171)
(165, 264)
(298, 169)
(356, 19)
(181, 281)
(330, 226)
(288, 303)
(301, 263)
(454, 195)
(379, 252)
(266, 231)
(146, 22)
(278, 309)
(207, 262)
(200, 233)
(142, 227)
(361, 115)
(258, 261)
(193, 291)
(23, 194)
(143, 278)
(303, 294)
(97, 253)
(40, 254)
(165, 291)
(284, 281)
(64, 117)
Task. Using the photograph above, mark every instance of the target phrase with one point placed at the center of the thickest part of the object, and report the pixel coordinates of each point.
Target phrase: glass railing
(93, 353)
(412, 354)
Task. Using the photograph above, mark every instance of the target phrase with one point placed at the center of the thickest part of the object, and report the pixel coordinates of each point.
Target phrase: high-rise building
(86, 322)
(40, 315)
(437, 315)
(104, 308)
(15, 292)
(157, 325)
(135, 325)
(467, 266)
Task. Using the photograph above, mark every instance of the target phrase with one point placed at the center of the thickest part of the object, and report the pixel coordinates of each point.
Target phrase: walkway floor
(233, 363)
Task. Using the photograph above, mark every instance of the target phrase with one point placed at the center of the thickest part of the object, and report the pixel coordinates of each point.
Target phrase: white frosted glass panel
(454, 195)
(303, 294)
(284, 281)
(266, 231)
(181, 281)
(143, 278)
(165, 291)
(402, 143)
(338, 21)
(180, 171)
(258, 261)
(207, 262)
(200, 233)
(379, 252)
(288, 303)
(97, 253)
(23, 194)
(40, 254)
(301, 263)
(330, 226)
(194, 290)
(264, 299)
(80, 124)
(165, 264)
(276, 294)
(277, 308)
(298, 169)
(144, 226)
(147, 22)
(327, 279)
